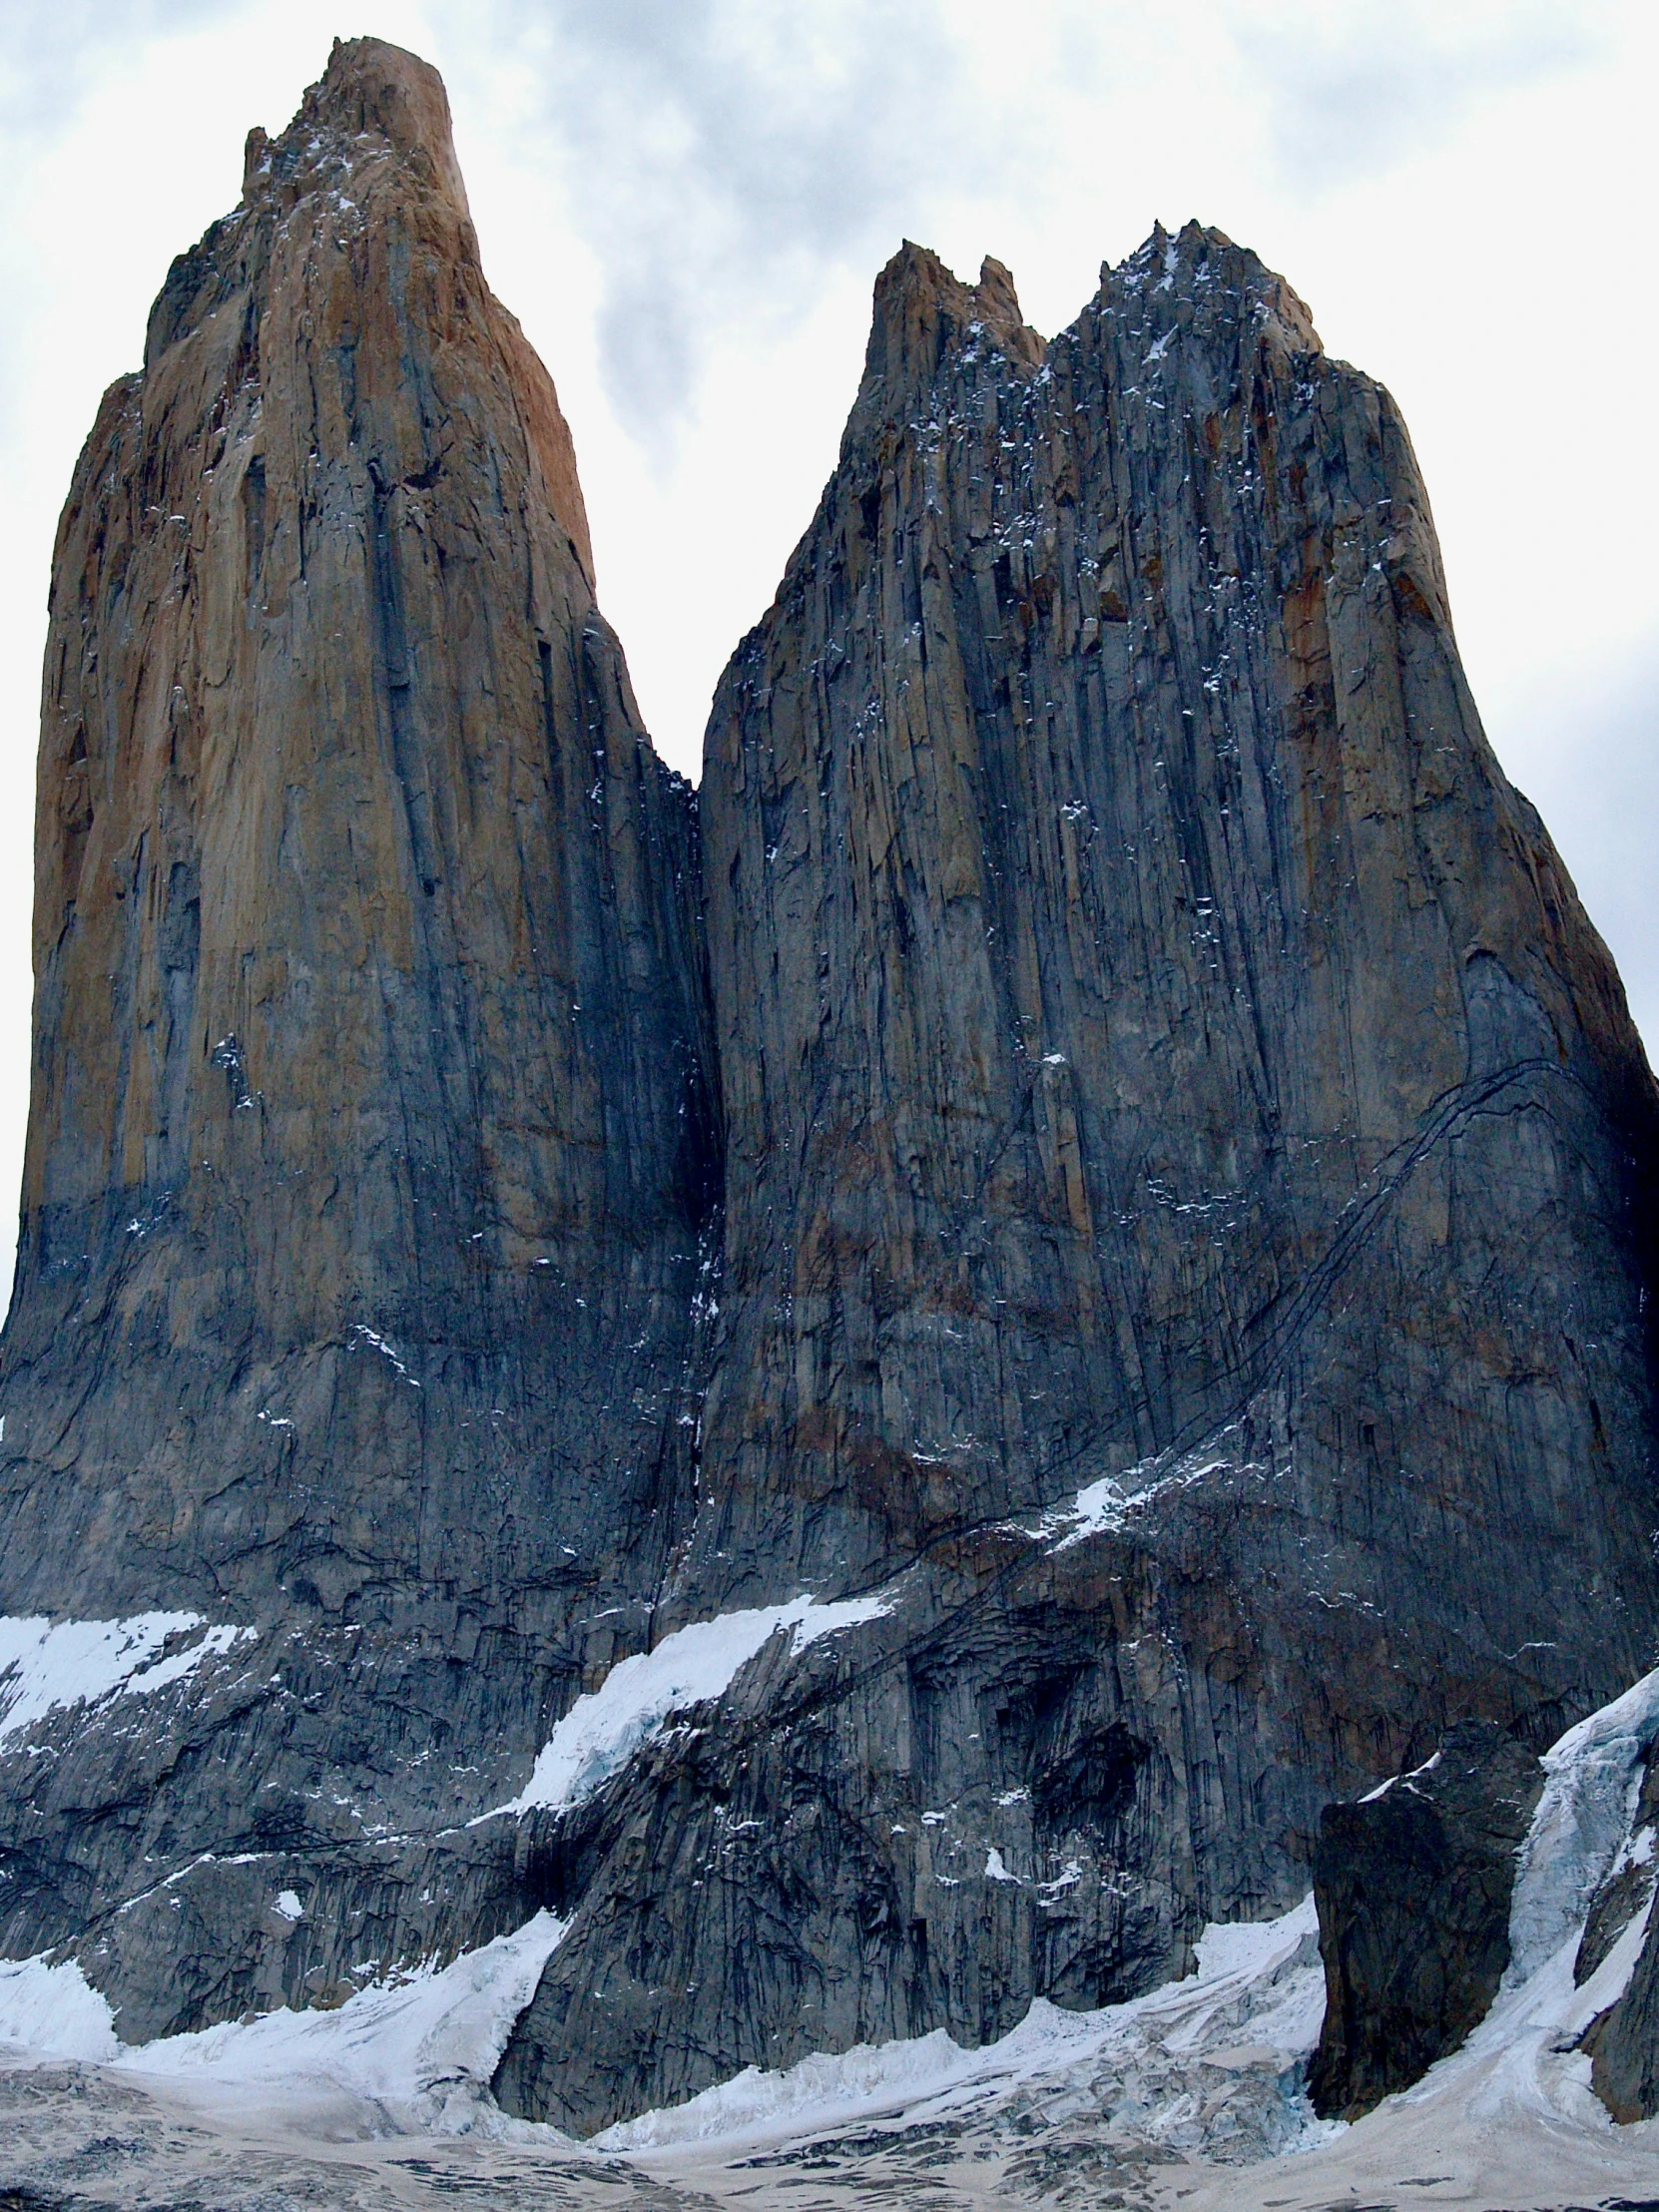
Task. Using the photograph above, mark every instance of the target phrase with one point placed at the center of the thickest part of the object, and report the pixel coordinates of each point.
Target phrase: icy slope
(1249, 2015)
(1188, 2096)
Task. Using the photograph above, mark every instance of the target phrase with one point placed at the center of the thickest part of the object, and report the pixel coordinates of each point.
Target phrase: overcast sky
(686, 201)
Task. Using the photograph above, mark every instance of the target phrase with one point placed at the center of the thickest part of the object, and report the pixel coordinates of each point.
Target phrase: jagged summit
(369, 90)
(920, 310)
(1199, 270)
(372, 146)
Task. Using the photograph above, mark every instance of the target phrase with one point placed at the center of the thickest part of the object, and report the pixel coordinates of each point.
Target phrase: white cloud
(716, 154)
(1356, 91)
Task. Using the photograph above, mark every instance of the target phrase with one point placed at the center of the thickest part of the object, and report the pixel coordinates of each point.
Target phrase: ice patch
(1242, 1984)
(818, 2093)
(426, 2044)
(1251, 1948)
(46, 1665)
(604, 1729)
(1112, 1502)
(54, 2011)
(1591, 1782)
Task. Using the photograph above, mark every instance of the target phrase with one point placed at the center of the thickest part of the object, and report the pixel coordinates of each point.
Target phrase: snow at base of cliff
(420, 2046)
(1256, 1999)
(1195, 2087)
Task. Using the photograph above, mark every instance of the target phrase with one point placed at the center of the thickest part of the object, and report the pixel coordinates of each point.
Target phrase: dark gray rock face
(1414, 1889)
(1138, 987)
(1104, 1128)
(1168, 1079)
(916, 1825)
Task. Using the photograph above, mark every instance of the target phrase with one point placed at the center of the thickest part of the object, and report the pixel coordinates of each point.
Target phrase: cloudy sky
(685, 201)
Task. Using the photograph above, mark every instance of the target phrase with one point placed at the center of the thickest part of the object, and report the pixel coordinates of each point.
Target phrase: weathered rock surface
(1120, 1140)
(1138, 987)
(370, 1147)
(1164, 1066)
(1414, 1887)
(918, 1824)
(368, 1097)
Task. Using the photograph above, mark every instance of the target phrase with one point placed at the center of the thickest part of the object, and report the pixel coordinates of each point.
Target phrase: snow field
(1508, 2115)
(48, 1665)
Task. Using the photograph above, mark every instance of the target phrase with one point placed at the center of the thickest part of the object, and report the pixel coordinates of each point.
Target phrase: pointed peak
(371, 89)
(915, 273)
(921, 309)
(997, 295)
(1199, 260)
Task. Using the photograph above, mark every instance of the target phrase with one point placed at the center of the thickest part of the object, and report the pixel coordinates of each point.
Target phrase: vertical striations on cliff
(1138, 987)
(370, 1116)
(371, 1149)
(1188, 1192)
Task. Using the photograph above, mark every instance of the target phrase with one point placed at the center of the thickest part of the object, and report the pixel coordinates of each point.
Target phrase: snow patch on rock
(1114, 1501)
(46, 1665)
(604, 1729)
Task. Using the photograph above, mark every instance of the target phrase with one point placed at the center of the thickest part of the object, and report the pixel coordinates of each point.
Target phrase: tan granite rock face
(370, 1152)
(368, 1029)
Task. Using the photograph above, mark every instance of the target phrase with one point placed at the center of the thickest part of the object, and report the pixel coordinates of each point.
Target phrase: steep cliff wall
(1138, 986)
(371, 1136)
(363, 932)
(1188, 1196)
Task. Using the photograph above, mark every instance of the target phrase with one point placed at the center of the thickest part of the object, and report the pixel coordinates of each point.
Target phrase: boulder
(1413, 1885)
